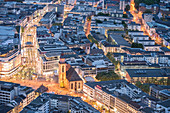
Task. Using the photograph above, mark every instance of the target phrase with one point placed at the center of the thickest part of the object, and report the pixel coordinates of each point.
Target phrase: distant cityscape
(85, 56)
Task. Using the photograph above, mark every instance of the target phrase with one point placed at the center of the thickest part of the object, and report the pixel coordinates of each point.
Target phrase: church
(68, 77)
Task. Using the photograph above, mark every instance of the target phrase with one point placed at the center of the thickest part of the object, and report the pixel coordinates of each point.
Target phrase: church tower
(62, 72)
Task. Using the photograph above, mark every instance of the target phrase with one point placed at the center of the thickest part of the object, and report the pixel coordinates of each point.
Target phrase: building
(47, 19)
(119, 40)
(164, 106)
(154, 8)
(134, 26)
(161, 92)
(130, 33)
(136, 38)
(49, 52)
(152, 47)
(107, 47)
(39, 105)
(51, 103)
(146, 42)
(117, 95)
(10, 53)
(101, 62)
(14, 96)
(68, 77)
(144, 75)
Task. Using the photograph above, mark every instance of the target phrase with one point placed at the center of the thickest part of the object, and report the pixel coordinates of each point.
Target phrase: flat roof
(147, 73)
(120, 40)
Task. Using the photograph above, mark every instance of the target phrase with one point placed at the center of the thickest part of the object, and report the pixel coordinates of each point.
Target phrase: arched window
(71, 85)
(79, 85)
(62, 68)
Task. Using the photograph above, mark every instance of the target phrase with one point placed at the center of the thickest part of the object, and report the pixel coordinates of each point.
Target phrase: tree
(111, 58)
(136, 45)
(89, 18)
(92, 40)
(161, 81)
(104, 76)
(98, 21)
(103, 14)
(168, 82)
(125, 16)
(138, 84)
(143, 87)
(127, 8)
(124, 24)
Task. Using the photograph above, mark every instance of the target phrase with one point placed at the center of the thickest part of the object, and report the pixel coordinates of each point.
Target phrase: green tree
(138, 84)
(93, 40)
(168, 82)
(98, 21)
(161, 81)
(145, 88)
(127, 8)
(125, 16)
(103, 14)
(112, 59)
(124, 24)
(136, 45)
(104, 76)
(89, 18)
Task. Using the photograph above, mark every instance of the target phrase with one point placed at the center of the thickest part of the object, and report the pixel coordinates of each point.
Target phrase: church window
(71, 85)
(79, 84)
(62, 68)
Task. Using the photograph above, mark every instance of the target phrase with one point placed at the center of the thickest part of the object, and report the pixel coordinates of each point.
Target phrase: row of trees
(143, 87)
(104, 76)
(103, 14)
(92, 40)
(162, 81)
(25, 73)
(111, 58)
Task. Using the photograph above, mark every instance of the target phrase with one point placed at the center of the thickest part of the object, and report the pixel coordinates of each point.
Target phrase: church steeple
(62, 72)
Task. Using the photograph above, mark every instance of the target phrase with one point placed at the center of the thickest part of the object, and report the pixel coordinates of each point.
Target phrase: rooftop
(120, 40)
(147, 73)
(165, 103)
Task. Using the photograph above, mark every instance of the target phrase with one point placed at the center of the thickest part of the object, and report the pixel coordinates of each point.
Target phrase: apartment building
(161, 92)
(49, 102)
(14, 96)
(117, 95)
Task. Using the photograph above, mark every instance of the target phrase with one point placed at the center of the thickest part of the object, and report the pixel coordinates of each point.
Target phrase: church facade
(68, 77)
